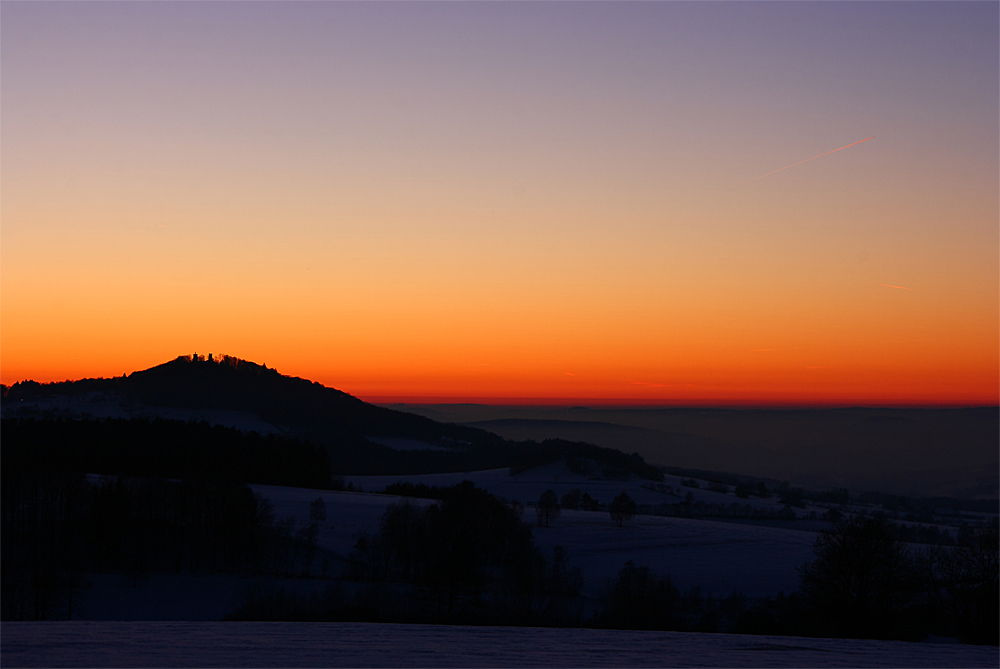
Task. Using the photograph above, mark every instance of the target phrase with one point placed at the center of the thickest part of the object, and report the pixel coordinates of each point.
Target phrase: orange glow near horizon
(832, 372)
(828, 341)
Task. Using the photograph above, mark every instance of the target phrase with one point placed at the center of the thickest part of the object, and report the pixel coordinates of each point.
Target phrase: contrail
(813, 158)
(889, 285)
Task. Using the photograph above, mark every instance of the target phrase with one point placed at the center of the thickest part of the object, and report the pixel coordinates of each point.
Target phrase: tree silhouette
(317, 511)
(622, 508)
(548, 508)
(969, 574)
(639, 599)
(571, 500)
(588, 503)
(859, 582)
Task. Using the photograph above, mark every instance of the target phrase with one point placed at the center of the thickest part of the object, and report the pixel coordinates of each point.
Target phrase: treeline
(863, 583)
(728, 478)
(159, 448)
(417, 490)
(582, 458)
(690, 508)
(199, 451)
(913, 508)
(926, 505)
(166, 449)
(366, 458)
(57, 526)
(469, 558)
(638, 598)
(698, 509)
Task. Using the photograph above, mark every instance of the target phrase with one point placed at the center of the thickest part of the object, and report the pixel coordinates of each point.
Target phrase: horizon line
(775, 403)
(621, 403)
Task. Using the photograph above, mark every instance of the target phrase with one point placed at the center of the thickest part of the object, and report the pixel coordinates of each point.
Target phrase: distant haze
(639, 202)
(916, 452)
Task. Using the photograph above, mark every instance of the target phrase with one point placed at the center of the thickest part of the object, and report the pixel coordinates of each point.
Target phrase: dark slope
(668, 447)
(130, 428)
(301, 408)
(161, 449)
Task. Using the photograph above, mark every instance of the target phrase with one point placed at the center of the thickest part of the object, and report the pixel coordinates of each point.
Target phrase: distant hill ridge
(227, 390)
(299, 407)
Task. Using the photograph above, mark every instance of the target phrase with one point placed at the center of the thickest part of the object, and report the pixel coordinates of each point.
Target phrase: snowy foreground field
(185, 644)
(172, 620)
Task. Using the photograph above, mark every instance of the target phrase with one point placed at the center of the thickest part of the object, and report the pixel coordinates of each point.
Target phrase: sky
(532, 202)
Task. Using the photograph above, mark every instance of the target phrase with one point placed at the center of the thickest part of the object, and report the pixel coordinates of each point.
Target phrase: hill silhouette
(296, 407)
(112, 426)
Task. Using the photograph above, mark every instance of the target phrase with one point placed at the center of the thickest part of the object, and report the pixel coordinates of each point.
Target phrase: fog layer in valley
(916, 452)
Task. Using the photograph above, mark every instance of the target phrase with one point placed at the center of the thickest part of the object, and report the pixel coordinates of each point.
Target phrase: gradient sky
(509, 200)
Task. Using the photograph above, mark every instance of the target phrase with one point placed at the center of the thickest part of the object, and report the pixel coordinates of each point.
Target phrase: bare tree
(548, 508)
(317, 511)
(622, 509)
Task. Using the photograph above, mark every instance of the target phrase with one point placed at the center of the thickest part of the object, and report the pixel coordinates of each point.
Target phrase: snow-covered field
(348, 513)
(231, 644)
(720, 557)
